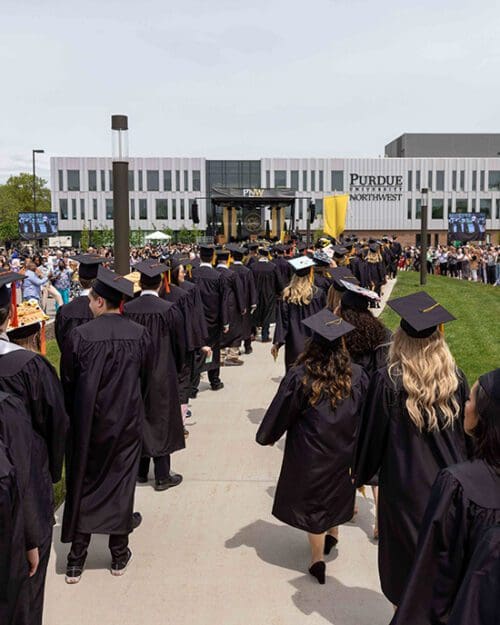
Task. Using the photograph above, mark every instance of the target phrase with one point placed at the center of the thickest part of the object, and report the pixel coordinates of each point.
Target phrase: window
(174, 209)
(186, 180)
(109, 208)
(461, 206)
(337, 180)
(320, 181)
(304, 180)
(319, 207)
(437, 208)
(132, 209)
(82, 209)
(143, 209)
(110, 172)
(498, 209)
(196, 180)
(485, 207)
(279, 178)
(152, 180)
(167, 180)
(63, 209)
(494, 180)
(473, 205)
(294, 180)
(140, 181)
(417, 180)
(450, 205)
(61, 179)
(462, 180)
(409, 209)
(410, 180)
(313, 181)
(92, 180)
(440, 180)
(161, 209)
(474, 180)
(177, 180)
(454, 180)
(73, 208)
(418, 209)
(268, 179)
(103, 180)
(429, 180)
(131, 180)
(481, 186)
(94, 208)
(73, 180)
(182, 209)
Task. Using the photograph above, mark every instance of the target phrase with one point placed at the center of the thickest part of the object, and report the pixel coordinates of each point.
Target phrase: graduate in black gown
(77, 312)
(337, 287)
(282, 263)
(163, 427)
(250, 294)
(464, 503)
(317, 405)
(376, 275)
(269, 285)
(322, 265)
(301, 299)
(30, 377)
(106, 370)
(412, 428)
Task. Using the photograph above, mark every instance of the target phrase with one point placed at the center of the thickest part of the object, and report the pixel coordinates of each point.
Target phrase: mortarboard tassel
(13, 298)
(43, 340)
(122, 304)
(311, 275)
(166, 282)
(441, 328)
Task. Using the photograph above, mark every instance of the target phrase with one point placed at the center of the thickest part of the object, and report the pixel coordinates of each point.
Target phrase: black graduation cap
(374, 247)
(89, 264)
(302, 265)
(222, 254)
(321, 258)
(342, 273)
(420, 314)
(236, 251)
(301, 246)
(356, 297)
(150, 271)
(206, 252)
(280, 248)
(263, 251)
(326, 326)
(111, 285)
(252, 246)
(6, 277)
(23, 332)
(339, 251)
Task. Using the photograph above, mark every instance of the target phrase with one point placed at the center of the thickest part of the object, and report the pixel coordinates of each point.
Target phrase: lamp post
(90, 232)
(424, 203)
(121, 224)
(34, 186)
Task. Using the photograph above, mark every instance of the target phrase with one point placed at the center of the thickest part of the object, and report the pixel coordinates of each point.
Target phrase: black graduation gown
(250, 295)
(163, 427)
(14, 596)
(235, 305)
(375, 275)
(183, 302)
(199, 325)
(314, 491)
(71, 315)
(464, 502)
(322, 282)
(359, 270)
(105, 369)
(290, 331)
(269, 286)
(284, 268)
(409, 461)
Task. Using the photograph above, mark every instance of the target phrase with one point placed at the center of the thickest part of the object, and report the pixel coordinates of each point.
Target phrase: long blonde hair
(373, 257)
(429, 376)
(300, 291)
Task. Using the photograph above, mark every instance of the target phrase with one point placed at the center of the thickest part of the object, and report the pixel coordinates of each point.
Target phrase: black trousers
(161, 464)
(198, 360)
(118, 544)
(37, 582)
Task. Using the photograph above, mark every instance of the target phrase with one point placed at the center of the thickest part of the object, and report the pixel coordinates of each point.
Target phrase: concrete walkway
(209, 552)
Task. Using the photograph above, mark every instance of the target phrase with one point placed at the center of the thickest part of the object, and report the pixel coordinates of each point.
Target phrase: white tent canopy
(158, 236)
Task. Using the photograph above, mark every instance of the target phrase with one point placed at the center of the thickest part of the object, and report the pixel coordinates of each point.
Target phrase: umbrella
(158, 236)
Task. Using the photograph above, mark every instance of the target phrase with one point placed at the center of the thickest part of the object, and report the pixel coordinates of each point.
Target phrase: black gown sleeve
(178, 339)
(438, 568)
(7, 510)
(372, 435)
(58, 329)
(281, 328)
(283, 411)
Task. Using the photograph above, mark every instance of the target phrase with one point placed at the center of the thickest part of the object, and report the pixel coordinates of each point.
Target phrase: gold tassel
(441, 328)
(43, 340)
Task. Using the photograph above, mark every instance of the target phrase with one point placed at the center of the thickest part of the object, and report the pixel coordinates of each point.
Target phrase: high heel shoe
(318, 570)
(330, 543)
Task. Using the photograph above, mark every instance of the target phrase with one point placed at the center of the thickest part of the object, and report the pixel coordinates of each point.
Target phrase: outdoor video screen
(466, 227)
(38, 224)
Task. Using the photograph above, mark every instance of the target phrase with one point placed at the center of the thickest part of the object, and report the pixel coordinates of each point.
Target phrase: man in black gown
(250, 294)
(269, 285)
(77, 312)
(282, 264)
(164, 430)
(30, 377)
(106, 369)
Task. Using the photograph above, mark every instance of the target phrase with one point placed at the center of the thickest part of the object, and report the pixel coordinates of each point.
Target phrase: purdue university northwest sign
(373, 188)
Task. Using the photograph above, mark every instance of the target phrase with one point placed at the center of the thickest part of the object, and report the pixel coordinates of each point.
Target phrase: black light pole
(121, 224)
(423, 235)
(90, 232)
(34, 185)
(311, 215)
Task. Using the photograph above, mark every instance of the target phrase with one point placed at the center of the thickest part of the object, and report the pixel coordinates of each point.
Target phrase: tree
(84, 239)
(16, 196)
(102, 237)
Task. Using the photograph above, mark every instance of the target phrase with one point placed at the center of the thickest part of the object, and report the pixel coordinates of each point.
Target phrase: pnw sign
(370, 188)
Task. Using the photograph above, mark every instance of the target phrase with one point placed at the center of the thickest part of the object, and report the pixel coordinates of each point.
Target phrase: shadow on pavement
(255, 415)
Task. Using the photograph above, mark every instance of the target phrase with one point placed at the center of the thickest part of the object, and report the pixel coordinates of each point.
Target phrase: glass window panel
(140, 181)
(321, 182)
(429, 179)
(304, 180)
(494, 179)
(474, 180)
(473, 205)
(174, 209)
(337, 180)
(94, 208)
(73, 208)
(279, 178)
(294, 179)
(481, 187)
(161, 209)
(186, 180)
(437, 208)
(182, 209)
(417, 180)
(268, 179)
(131, 180)
(110, 179)
(82, 208)
(462, 180)
(498, 209)
(409, 209)
(450, 205)
(167, 180)
(132, 209)
(196, 180)
(152, 180)
(319, 206)
(454, 180)
(410, 180)
(92, 180)
(143, 209)
(177, 180)
(418, 209)
(461, 205)
(61, 179)
(63, 208)
(73, 180)
(485, 207)
(109, 208)
(440, 180)
(103, 180)
(313, 181)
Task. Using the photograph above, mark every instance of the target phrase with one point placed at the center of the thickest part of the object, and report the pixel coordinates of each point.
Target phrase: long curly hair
(300, 291)
(429, 375)
(369, 332)
(328, 371)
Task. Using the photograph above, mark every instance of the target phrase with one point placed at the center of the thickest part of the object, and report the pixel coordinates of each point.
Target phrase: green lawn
(474, 338)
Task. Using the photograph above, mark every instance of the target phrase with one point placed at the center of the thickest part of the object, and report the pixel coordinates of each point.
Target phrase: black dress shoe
(141, 479)
(217, 386)
(318, 570)
(118, 567)
(174, 479)
(73, 574)
(248, 350)
(330, 543)
(136, 520)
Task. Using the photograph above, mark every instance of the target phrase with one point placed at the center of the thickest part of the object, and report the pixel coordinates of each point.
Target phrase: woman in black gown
(464, 504)
(301, 299)
(412, 428)
(317, 405)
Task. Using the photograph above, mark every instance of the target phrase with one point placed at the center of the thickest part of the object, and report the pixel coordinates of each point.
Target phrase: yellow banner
(334, 214)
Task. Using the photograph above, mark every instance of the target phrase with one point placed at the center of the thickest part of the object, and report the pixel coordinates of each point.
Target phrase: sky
(238, 79)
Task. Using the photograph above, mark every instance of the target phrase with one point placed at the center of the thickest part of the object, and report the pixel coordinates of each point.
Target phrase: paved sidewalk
(209, 552)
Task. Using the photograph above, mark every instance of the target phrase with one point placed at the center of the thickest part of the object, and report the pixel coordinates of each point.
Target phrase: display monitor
(465, 227)
(41, 225)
